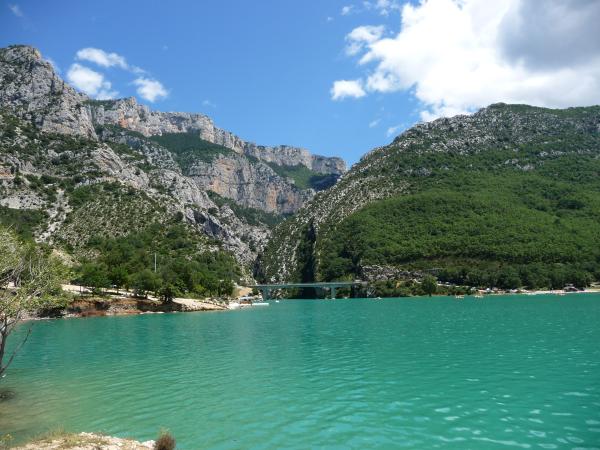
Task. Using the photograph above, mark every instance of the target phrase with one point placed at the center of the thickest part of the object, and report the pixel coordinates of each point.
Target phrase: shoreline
(85, 307)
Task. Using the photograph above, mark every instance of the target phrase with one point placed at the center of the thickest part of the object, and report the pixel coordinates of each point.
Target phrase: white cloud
(459, 55)
(102, 58)
(362, 36)
(90, 82)
(150, 89)
(15, 9)
(385, 7)
(208, 103)
(86, 79)
(374, 123)
(391, 131)
(347, 88)
(347, 10)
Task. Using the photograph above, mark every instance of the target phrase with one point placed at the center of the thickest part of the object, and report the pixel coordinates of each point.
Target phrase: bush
(165, 441)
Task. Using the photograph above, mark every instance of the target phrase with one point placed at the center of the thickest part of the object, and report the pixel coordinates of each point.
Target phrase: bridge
(265, 289)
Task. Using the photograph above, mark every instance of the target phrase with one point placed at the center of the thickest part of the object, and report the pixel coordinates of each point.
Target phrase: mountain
(74, 170)
(506, 197)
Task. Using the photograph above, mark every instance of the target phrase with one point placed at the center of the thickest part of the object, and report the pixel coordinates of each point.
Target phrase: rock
(31, 90)
(128, 113)
(85, 441)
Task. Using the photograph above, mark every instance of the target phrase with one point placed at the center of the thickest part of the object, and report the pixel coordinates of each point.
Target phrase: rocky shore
(85, 441)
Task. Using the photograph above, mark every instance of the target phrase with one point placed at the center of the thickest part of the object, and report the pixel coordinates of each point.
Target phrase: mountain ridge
(500, 156)
(58, 146)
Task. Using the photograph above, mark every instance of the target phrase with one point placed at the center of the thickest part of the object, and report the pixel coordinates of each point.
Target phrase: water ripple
(399, 373)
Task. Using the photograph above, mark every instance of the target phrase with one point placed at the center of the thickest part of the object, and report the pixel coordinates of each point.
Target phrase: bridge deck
(331, 285)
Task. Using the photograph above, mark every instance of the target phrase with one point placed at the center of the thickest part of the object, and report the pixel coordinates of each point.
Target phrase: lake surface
(520, 372)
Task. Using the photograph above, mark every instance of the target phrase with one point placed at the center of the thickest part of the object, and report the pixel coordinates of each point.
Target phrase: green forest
(510, 201)
(182, 268)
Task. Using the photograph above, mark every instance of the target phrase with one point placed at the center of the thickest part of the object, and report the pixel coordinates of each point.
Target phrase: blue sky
(337, 77)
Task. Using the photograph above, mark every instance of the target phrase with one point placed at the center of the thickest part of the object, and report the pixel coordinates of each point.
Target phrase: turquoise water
(520, 372)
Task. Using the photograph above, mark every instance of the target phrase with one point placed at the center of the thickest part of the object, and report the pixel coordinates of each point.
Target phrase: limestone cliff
(31, 90)
(128, 113)
(56, 144)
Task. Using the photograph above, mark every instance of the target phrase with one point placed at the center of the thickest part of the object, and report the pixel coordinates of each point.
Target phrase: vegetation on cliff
(508, 197)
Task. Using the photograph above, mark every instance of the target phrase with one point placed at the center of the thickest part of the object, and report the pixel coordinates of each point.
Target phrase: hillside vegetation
(508, 197)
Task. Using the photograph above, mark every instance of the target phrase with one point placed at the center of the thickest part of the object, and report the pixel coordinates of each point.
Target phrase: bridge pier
(265, 293)
(333, 292)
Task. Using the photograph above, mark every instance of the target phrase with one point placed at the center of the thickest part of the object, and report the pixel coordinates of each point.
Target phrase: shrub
(165, 441)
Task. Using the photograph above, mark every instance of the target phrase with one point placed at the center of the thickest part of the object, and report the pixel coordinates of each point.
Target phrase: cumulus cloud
(384, 7)
(459, 55)
(362, 36)
(102, 58)
(15, 9)
(347, 10)
(150, 89)
(90, 82)
(347, 88)
(95, 84)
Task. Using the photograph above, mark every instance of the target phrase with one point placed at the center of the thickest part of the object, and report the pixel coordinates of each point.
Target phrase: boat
(459, 296)
(233, 305)
(259, 304)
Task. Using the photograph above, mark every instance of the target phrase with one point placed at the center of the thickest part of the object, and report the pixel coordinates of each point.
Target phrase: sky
(338, 77)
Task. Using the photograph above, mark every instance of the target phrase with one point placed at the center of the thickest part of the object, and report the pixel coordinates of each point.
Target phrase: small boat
(259, 304)
(459, 296)
(276, 301)
(233, 305)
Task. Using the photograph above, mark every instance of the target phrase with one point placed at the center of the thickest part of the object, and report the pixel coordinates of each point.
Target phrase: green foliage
(251, 216)
(94, 275)
(183, 267)
(23, 221)
(304, 177)
(31, 281)
(188, 148)
(429, 285)
(507, 198)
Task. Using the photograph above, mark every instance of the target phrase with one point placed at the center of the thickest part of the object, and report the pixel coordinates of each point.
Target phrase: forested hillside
(507, 197)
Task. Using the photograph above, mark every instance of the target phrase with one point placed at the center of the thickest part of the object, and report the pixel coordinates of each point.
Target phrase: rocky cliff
(31, 90)
(128, 113)
(171, 164)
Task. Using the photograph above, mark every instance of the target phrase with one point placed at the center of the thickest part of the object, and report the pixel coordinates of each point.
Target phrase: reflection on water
(405, 373)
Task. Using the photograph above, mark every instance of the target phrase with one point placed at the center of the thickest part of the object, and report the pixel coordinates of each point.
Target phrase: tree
(94, 275)
(144, 282)
(429, 285)
(29, 281)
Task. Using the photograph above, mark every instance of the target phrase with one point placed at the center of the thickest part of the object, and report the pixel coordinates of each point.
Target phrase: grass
(303, 177)
(188, 148)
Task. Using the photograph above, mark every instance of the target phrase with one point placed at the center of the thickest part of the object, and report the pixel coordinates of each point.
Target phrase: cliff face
(32, 91)
(249, 184)
(229, 190)
(128, 113)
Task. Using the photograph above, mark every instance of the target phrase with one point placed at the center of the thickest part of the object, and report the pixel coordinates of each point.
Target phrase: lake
(502, 372)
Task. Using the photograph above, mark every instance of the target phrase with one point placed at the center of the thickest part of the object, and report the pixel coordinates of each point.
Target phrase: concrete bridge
(265, 289)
